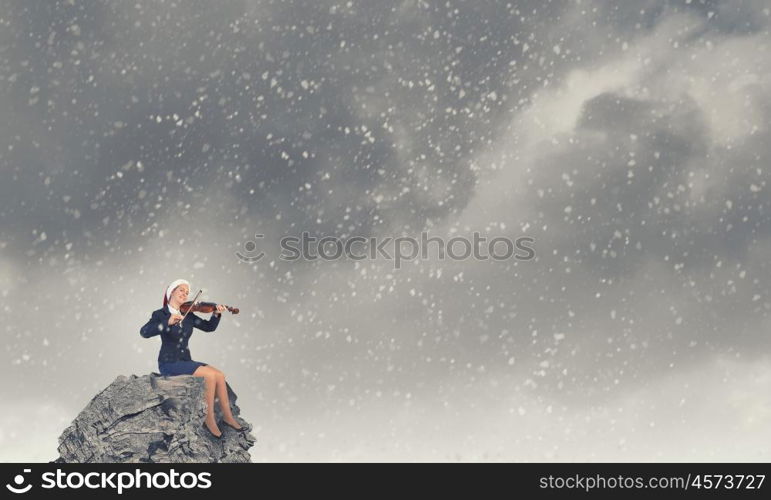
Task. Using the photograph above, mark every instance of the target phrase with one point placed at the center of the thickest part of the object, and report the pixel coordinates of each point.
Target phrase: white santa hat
(174, 284)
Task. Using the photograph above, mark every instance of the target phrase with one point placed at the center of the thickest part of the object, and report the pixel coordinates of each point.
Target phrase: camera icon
(251, 246)
(18, 480)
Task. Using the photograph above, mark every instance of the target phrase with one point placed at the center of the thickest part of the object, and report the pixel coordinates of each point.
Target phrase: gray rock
(152, 419)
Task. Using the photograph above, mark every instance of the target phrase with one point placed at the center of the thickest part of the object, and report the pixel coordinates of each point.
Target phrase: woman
(174, 358)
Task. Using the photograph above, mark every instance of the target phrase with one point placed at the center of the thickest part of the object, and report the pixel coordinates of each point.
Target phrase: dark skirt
(179, 368)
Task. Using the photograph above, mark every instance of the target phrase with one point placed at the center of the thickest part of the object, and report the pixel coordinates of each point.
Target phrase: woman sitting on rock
(174, 358)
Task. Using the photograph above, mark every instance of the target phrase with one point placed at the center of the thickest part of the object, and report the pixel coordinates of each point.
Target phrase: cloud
(143, 144)
(29, 433)
(662, 420)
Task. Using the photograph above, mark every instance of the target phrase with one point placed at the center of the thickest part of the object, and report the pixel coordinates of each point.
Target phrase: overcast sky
(143, 142)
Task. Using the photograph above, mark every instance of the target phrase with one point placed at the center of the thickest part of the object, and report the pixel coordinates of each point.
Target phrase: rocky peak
(152, 419)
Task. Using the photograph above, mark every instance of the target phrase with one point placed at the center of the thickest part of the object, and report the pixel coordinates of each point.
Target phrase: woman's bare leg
(210, 384)
(222, 395)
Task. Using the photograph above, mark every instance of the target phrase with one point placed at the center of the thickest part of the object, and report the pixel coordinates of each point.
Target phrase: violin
(203, 307)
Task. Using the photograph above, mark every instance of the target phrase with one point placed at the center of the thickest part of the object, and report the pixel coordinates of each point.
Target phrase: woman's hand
(174, 319)
(220, 308)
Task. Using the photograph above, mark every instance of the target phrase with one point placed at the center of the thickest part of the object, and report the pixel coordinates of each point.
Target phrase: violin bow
(190, 308)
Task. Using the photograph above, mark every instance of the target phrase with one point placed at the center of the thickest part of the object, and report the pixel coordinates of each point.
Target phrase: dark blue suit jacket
(174, 338)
